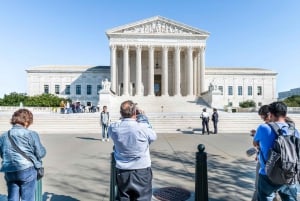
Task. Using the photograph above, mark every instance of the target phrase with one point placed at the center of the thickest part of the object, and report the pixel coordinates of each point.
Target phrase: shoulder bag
(40, 171)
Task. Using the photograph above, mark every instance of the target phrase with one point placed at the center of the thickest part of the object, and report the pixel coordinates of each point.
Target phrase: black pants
(134, 185)
(215, 127)
(205, 124)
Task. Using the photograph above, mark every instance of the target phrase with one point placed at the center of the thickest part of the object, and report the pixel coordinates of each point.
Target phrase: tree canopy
(44, 100)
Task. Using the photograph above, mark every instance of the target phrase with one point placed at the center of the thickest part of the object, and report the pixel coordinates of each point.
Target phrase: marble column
(125, 70)
(113, 72)
(198, 73)
(195, 74)
(138, 81)
(190, 71)
(202, 69)
(164, 87)
(151, 71)
(177, 71)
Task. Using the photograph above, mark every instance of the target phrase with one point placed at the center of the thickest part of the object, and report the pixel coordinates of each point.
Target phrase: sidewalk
(78, 166)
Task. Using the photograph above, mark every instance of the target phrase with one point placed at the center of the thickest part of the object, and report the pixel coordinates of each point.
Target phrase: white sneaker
(107, 140)
(102, 140)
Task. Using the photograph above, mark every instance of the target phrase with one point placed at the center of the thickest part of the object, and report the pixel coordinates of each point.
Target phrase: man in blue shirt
(131, 150)
(264, 140)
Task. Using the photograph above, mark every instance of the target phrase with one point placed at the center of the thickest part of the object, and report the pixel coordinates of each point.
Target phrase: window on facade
(259, 90)
(240, 90)
(78, 89)
(99, 87)
(67, 90)
(259, 104)
(46, 89)
(220, 89)
(249, 90)
(230, 91)
(56, 89)
(89, 89)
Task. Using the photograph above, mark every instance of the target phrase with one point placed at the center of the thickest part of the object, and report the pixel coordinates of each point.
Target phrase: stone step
(166, 123)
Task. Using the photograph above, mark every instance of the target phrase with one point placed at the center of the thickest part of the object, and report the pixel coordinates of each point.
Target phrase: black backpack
(283, 165)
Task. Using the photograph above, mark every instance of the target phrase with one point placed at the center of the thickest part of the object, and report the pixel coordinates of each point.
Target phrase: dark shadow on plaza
(226, 180)
(53, 197)
(88, 138)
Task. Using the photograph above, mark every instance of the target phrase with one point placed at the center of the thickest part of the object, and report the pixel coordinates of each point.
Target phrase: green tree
(13, 99)
(44, 100)
(293, 101)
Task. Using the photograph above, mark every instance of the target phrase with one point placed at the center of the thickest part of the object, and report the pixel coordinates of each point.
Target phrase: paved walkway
(78, 166)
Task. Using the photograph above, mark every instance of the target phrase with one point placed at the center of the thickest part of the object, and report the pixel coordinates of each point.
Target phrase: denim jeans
(104, 131)
(21, 184)
(266, 190)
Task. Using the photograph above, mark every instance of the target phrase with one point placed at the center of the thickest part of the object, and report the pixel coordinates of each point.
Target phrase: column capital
(190, 48)
(165, 48)
(125, 47)
(151, 47)
(202, 48)
(178, 48)
(138, 46)
(113, 47)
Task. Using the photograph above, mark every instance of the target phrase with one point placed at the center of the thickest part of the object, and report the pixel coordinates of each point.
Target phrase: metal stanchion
(201, 184)
(38, 191)
(113, 179)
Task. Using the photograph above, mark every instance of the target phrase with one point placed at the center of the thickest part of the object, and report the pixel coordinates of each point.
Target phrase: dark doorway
(157, 85)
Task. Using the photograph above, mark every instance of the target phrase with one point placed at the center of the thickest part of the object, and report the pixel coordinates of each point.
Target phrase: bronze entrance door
(157, 85)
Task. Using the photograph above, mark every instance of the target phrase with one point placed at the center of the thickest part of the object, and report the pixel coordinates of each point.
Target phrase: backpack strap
(275, 128)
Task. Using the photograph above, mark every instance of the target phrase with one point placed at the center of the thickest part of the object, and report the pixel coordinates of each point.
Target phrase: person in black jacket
(215, 119)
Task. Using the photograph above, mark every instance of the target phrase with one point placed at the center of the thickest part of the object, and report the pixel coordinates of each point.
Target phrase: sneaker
(107, 140)
(102, 140)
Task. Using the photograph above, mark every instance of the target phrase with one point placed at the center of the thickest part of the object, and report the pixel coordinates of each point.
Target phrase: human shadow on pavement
(88, 138)
(53, 197)
(227, 179)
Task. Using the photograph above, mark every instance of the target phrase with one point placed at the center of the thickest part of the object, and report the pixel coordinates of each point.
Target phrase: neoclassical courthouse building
(161, 58)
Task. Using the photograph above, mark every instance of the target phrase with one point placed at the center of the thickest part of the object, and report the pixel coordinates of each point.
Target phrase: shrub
(247, 104)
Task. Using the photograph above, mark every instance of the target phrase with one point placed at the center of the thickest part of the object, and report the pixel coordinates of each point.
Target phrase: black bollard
(201, 185)
(113, 179)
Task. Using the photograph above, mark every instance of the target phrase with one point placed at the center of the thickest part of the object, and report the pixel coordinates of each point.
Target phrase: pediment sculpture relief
(156, 27)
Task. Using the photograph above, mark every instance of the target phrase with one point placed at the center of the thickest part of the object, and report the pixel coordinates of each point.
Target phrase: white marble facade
(79, 83)
(156, 57)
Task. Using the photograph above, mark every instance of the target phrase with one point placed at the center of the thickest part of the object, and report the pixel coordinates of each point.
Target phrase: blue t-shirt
(265, 136)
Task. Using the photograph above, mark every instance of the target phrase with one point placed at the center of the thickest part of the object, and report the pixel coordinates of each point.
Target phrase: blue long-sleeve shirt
(28, 141)
(132, 140)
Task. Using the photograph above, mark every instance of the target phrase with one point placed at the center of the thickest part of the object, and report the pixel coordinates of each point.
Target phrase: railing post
(201, 185)
(113, 179)
(38, 191)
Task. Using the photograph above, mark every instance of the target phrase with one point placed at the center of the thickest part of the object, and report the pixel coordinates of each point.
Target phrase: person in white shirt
(205, 120)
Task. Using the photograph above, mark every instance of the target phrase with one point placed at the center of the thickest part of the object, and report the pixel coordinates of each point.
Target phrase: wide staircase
(162, 122)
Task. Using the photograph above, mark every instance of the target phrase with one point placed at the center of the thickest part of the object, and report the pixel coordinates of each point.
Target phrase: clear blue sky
(244, 33)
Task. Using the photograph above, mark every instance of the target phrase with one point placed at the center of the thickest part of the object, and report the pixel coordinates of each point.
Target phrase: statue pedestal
(105, 99)
(217, 100)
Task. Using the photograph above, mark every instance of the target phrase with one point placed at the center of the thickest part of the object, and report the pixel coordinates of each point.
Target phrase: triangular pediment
(157, 25)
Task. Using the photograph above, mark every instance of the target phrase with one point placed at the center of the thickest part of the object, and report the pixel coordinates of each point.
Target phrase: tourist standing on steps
(205, 120)
(131, 150)
(215, 119)
(20, 173)
(104, 120)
